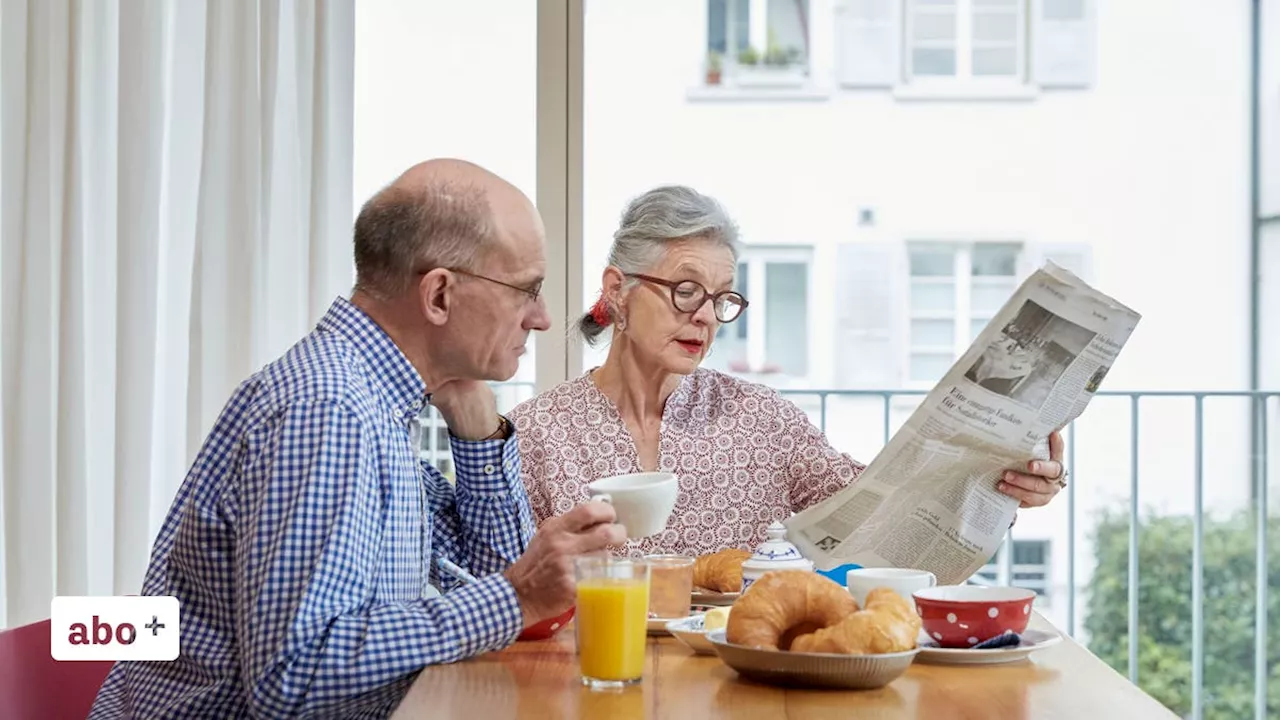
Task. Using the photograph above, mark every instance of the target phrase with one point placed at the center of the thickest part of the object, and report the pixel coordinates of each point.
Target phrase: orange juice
(611, 618)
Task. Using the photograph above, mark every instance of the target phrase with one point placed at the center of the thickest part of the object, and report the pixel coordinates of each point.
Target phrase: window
(963, 47)
(1030, 567)
(772, 336)
(757, 43)
(431, 435)
(966, 39)
(432, 439)
(955, 290)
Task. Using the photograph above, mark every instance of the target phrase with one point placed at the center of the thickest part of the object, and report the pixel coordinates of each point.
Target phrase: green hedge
(1164, 610)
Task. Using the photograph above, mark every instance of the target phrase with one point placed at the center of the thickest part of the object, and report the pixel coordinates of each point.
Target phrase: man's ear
(435, 295)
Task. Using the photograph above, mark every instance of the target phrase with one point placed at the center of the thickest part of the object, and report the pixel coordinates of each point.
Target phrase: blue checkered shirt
(303, 540)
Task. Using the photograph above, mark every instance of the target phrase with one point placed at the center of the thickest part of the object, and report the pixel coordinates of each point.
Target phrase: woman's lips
(693, 346)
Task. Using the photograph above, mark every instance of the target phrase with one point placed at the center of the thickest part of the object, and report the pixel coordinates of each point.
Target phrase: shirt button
(488, 469)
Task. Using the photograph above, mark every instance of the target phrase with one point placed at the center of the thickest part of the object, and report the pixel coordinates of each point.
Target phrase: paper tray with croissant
(799, 628)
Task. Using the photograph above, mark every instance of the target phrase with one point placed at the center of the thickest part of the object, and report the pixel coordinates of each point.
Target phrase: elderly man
(303, 543)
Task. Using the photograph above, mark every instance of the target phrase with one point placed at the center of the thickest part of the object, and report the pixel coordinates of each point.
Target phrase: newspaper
(928, 499)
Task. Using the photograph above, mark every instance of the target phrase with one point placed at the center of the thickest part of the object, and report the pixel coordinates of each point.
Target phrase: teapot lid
(776, 553)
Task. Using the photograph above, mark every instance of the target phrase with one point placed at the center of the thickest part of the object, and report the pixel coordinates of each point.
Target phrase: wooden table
(541, 680)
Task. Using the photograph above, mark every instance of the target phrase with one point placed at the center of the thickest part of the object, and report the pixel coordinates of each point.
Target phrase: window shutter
(1062, 42)
(868, 43)
(871, 278)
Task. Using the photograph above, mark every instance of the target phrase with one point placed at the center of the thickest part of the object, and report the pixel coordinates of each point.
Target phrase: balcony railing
(1253, 414)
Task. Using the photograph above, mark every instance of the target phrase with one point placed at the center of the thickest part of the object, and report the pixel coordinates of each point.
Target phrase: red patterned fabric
(745, 455)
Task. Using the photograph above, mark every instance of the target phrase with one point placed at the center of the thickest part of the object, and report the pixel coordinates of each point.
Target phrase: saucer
(691, 632)
(1032, 640)
(711, 597)
(658, 626)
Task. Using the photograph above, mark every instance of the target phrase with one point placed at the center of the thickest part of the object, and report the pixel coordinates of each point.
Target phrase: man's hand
(543, 576)
(468, 408)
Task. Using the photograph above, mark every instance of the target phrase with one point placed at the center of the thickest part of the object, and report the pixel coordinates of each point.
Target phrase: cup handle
(603, 497)
(933, 580)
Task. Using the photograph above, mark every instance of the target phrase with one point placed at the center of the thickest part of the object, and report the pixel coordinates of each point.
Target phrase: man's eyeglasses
(688, 296)
(534, 291)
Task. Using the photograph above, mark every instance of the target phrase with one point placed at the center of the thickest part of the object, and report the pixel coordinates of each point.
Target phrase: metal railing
(1258, 403)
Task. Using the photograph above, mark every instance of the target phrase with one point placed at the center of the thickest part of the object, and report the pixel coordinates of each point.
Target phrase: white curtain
(175, 208)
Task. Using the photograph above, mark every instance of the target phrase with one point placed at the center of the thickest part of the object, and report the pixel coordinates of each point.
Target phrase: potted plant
(714, 68)
(778, 67)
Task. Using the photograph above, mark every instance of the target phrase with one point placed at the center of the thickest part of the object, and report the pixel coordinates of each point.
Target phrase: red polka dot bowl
(961, 616)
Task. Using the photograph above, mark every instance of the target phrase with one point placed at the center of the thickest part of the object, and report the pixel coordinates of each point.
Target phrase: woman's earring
(618, 320)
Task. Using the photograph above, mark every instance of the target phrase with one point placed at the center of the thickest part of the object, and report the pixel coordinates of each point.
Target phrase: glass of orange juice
(611, 619)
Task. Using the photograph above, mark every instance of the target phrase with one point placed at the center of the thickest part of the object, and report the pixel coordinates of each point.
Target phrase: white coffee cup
(642, 501)
(903, 581)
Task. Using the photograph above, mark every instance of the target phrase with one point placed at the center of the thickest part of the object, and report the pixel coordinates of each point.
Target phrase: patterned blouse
(745, 457)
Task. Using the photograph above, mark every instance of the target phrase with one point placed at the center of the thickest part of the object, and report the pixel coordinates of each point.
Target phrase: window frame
(756, 258)
(760, 75)
(962, 316)
(1043, 587)
(964, 45)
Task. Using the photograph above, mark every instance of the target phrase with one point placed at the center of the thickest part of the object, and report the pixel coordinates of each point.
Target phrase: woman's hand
(1043, 479)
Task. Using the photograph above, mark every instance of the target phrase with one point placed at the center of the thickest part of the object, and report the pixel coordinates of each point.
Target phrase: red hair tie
(600, 313)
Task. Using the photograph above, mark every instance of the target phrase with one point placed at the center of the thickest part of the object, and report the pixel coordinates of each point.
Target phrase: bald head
(442, 213)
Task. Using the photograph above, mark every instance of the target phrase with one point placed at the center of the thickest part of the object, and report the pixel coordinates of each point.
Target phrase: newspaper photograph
(928, 500)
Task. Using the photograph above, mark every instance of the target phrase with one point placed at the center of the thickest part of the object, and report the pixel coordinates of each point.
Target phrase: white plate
(658, 626)
(1032, 640)
(710, 597)
(691, 632)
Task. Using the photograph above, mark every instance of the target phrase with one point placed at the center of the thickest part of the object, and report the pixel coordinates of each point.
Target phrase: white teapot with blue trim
(775, 553)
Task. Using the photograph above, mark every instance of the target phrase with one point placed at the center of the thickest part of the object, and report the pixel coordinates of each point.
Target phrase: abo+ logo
(114, 628)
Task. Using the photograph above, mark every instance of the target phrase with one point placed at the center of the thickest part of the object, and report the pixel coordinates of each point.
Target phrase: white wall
(1269, 105)
(446, 79)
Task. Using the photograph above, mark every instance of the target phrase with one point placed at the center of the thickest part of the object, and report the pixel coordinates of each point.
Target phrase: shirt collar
(402, 384)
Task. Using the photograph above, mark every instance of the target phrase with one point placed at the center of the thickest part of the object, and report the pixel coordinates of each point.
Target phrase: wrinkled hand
(543, 576)
(1043, 479)
(468, 408)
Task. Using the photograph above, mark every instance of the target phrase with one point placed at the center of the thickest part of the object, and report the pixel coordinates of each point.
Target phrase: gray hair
(652, 222)
(401, 232)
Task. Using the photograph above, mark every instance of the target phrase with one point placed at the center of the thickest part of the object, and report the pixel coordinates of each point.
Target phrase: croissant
(721, 571)
(887, 625)
(785, 604)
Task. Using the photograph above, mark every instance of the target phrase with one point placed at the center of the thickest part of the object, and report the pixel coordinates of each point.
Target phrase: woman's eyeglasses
(688, 296)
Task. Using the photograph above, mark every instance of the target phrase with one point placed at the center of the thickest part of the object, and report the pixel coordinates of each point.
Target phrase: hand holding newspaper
(929, 499)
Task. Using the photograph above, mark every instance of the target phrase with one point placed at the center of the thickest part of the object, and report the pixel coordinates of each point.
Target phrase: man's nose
(540, 318)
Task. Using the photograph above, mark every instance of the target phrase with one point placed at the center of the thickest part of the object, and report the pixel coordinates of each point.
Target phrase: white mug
(642, 501)
(903, 581)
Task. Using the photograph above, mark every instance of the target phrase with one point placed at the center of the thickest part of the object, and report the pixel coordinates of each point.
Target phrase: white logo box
(144, 627)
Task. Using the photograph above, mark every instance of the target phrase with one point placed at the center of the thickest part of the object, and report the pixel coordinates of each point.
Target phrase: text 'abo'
(114, 628)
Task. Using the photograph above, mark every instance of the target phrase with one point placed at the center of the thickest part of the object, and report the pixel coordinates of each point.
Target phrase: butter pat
(716, 618)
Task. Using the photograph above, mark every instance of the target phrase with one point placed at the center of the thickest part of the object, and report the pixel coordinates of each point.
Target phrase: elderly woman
(745, 455)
